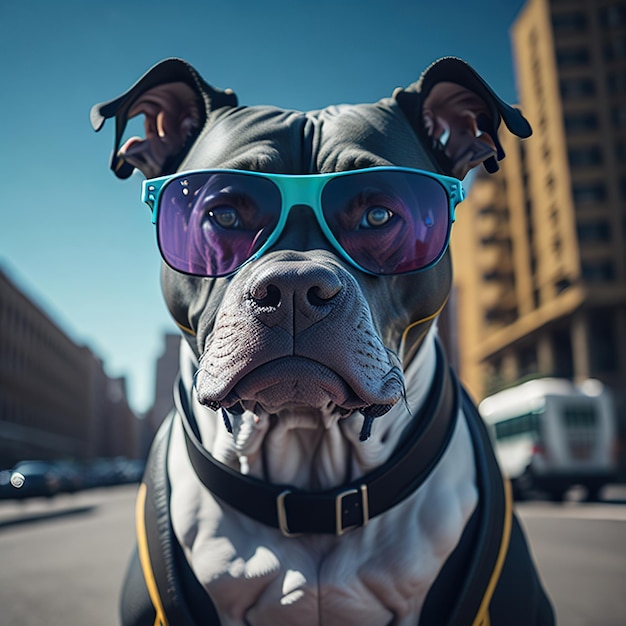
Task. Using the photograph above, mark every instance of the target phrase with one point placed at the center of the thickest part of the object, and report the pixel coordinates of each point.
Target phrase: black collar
(333, 511)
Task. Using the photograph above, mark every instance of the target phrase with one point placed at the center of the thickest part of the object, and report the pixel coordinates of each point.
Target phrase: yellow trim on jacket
(144, 557)
(482, 618)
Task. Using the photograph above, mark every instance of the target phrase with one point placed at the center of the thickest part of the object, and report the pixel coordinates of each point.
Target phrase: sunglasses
(382, 220)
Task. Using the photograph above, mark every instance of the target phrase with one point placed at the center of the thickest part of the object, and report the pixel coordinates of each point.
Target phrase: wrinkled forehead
(333, 139)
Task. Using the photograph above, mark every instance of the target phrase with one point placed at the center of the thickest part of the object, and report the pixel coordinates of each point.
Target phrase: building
(56, 401)
(545, 291)
(167, 366)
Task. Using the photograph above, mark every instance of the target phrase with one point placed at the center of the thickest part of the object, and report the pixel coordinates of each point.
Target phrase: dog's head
(314, 321)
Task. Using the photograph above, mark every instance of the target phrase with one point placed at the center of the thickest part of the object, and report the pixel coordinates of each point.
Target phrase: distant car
(71, 476)
(101, 472)
(40, 479)
(6, 489)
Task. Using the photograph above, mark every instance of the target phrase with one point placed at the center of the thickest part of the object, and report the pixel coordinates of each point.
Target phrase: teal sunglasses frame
(306, 189)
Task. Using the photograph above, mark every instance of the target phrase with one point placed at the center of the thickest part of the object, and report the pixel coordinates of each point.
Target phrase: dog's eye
(226, 217)
(375, 217)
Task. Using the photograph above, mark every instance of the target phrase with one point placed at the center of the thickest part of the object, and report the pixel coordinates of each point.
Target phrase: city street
(62, 560)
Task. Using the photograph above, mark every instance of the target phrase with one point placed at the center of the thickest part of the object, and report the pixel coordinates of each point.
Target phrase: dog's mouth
(292, 384)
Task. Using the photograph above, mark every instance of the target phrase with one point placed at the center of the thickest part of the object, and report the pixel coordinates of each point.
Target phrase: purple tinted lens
(389, 222)
(211, 223)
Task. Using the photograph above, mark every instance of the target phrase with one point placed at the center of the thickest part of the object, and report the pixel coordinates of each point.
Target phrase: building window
(577, 87)
(527, 361)
(613, 16)
(602, 342)
(616, 83)
(554, 215)
(594, 232)
(562, 285)
(585, 157)
(499, 276)
(563, 357)
(546, 152)
(581, 121)
(569, 23)
(615, 49)
(618, 115)
(572, 57)
(598, 271)
(589, 193)
(501, 316)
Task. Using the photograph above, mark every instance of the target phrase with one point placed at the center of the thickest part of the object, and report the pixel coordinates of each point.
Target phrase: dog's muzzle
(295, 331)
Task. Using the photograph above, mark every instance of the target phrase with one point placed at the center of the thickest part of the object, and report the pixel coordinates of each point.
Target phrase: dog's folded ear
(456, 115)
(176, 103)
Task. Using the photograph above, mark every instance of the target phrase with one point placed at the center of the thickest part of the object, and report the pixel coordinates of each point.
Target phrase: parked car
(71, 475)
(41, 478)
(6, 489)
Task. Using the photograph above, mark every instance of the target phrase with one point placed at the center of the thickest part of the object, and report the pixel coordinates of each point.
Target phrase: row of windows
(576, 22)
(40, 418)
(615, 49)
(594, 232)
(616, 83)
(604, 350)
(580, 87)
(574, 416)
(580, 56)
(573, 57)
(618, 117)
(528, 424)
(595, 192)
(598, 271)
(577, 87)
(588, 193)
(589, 156)
(578, 416)
(17, 323)
(585, 157)
(589, 121)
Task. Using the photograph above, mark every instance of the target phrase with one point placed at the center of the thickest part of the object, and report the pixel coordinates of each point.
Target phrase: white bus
(550, 435)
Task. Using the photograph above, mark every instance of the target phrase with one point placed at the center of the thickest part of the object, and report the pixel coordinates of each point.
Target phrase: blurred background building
(165, 374)
(56, 401)
(539, 248)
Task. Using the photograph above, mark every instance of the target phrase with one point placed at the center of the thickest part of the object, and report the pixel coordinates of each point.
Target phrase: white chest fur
(375, 575)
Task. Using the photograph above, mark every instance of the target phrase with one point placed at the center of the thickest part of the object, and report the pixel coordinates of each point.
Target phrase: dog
(323, 465)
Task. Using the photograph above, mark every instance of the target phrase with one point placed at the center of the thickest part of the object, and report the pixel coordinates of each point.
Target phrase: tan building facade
(540, 247)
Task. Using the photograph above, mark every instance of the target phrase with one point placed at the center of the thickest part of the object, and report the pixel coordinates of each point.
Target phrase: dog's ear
(456, 115)
(176, 103)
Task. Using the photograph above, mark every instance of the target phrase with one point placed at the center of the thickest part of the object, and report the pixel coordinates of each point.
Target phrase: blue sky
(77, 240)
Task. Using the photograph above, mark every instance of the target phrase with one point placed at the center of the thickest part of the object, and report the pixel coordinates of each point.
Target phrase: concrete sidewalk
(37, 509)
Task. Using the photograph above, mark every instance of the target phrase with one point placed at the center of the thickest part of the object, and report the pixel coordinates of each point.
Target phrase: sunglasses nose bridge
(301, 230)
(301, 226)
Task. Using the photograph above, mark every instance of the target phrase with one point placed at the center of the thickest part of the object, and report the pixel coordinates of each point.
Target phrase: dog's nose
(295, 292)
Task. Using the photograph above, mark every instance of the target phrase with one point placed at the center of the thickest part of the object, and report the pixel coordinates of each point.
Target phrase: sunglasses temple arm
(149, 195)
(457, 195)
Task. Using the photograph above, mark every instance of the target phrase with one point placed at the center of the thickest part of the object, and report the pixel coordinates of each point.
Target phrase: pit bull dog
(323, 465)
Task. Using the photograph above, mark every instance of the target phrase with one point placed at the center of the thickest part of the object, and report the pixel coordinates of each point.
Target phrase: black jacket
(488, 580)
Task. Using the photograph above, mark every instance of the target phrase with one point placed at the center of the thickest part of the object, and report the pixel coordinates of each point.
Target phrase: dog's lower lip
(238, 407)
(295, 381)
